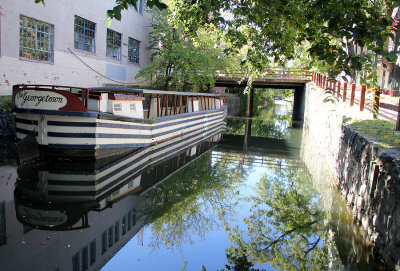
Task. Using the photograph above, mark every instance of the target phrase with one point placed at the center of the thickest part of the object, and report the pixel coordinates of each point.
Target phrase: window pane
(129, 215)
(85, 258)
(133, 50)
(3, 236)
(113, 44)
(140, 6)
(123, 225)
(36, 39)
(84, 37)
(92, 252)
(116, 231)
(133, 217)
(76, 262)
(104, 242)
(110, 237)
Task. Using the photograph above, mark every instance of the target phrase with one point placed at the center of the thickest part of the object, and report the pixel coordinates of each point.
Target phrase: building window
(133, 109)
(124, 225)
(129, 221)
(117, 107)
(35, 39)
(116, 231)
(140, 6)
(85, 258)
(133, 50)
(133, 217)
(92, 252)
(76, 262)
(104, 242)
(110, 236)
(84, 35)
(3, 235)
(113, 44)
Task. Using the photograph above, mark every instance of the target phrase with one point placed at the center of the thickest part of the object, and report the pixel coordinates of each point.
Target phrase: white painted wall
(126, 108)
(67, 69)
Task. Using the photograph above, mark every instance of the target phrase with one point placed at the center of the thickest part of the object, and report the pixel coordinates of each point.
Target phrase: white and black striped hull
(97, 135)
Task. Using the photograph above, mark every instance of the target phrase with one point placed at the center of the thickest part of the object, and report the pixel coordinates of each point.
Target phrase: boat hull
(94, 135)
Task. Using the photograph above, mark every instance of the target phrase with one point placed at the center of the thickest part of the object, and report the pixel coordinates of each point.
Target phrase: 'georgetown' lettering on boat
(39, 217)
(37, 99)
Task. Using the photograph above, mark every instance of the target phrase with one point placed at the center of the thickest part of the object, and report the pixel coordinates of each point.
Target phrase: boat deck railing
(157, 103)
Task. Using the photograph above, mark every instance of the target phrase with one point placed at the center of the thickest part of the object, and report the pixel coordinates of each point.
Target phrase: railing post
(333, 86)
(166, 105)
(158, 106)
(338, 89)
(344, 91)
(353, 94)
(375, 105)
(362, 99)
(148, 113)
(398, 118)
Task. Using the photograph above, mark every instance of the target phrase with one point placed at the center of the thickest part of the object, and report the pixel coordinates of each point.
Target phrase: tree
(180, 61)
(329, 28)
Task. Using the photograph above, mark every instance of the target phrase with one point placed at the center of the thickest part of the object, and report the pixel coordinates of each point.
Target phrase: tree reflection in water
(192, 202)
(285, 225)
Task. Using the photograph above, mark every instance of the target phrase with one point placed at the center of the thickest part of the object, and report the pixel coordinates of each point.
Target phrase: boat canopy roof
(151, 91)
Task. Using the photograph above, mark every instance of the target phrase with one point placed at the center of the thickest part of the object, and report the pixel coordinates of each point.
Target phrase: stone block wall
(366, 175)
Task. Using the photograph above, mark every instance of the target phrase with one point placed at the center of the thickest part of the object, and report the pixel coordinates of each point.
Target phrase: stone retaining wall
(366, 175)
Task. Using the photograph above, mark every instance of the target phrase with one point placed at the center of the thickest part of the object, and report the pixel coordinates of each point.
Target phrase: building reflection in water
(97, 205)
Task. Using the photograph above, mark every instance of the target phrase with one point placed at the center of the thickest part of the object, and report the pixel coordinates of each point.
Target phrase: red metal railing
(322, 81)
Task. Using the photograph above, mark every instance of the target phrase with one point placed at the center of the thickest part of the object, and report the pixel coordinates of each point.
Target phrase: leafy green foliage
(330, 30)
(124, 4)
(330, 96)
(6, 102)
(265, 123)
(179, 61)
(238, 261)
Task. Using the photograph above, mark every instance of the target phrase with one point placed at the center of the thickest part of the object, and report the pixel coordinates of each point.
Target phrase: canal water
(245, 202)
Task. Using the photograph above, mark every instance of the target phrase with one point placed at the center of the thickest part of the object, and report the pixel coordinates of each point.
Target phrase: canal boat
(58, 195)
(96, 123)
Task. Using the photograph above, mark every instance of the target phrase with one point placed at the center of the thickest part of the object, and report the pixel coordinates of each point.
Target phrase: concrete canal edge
(366, 175)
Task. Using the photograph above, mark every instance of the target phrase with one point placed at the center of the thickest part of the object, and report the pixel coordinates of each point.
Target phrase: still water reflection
(194, 205)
